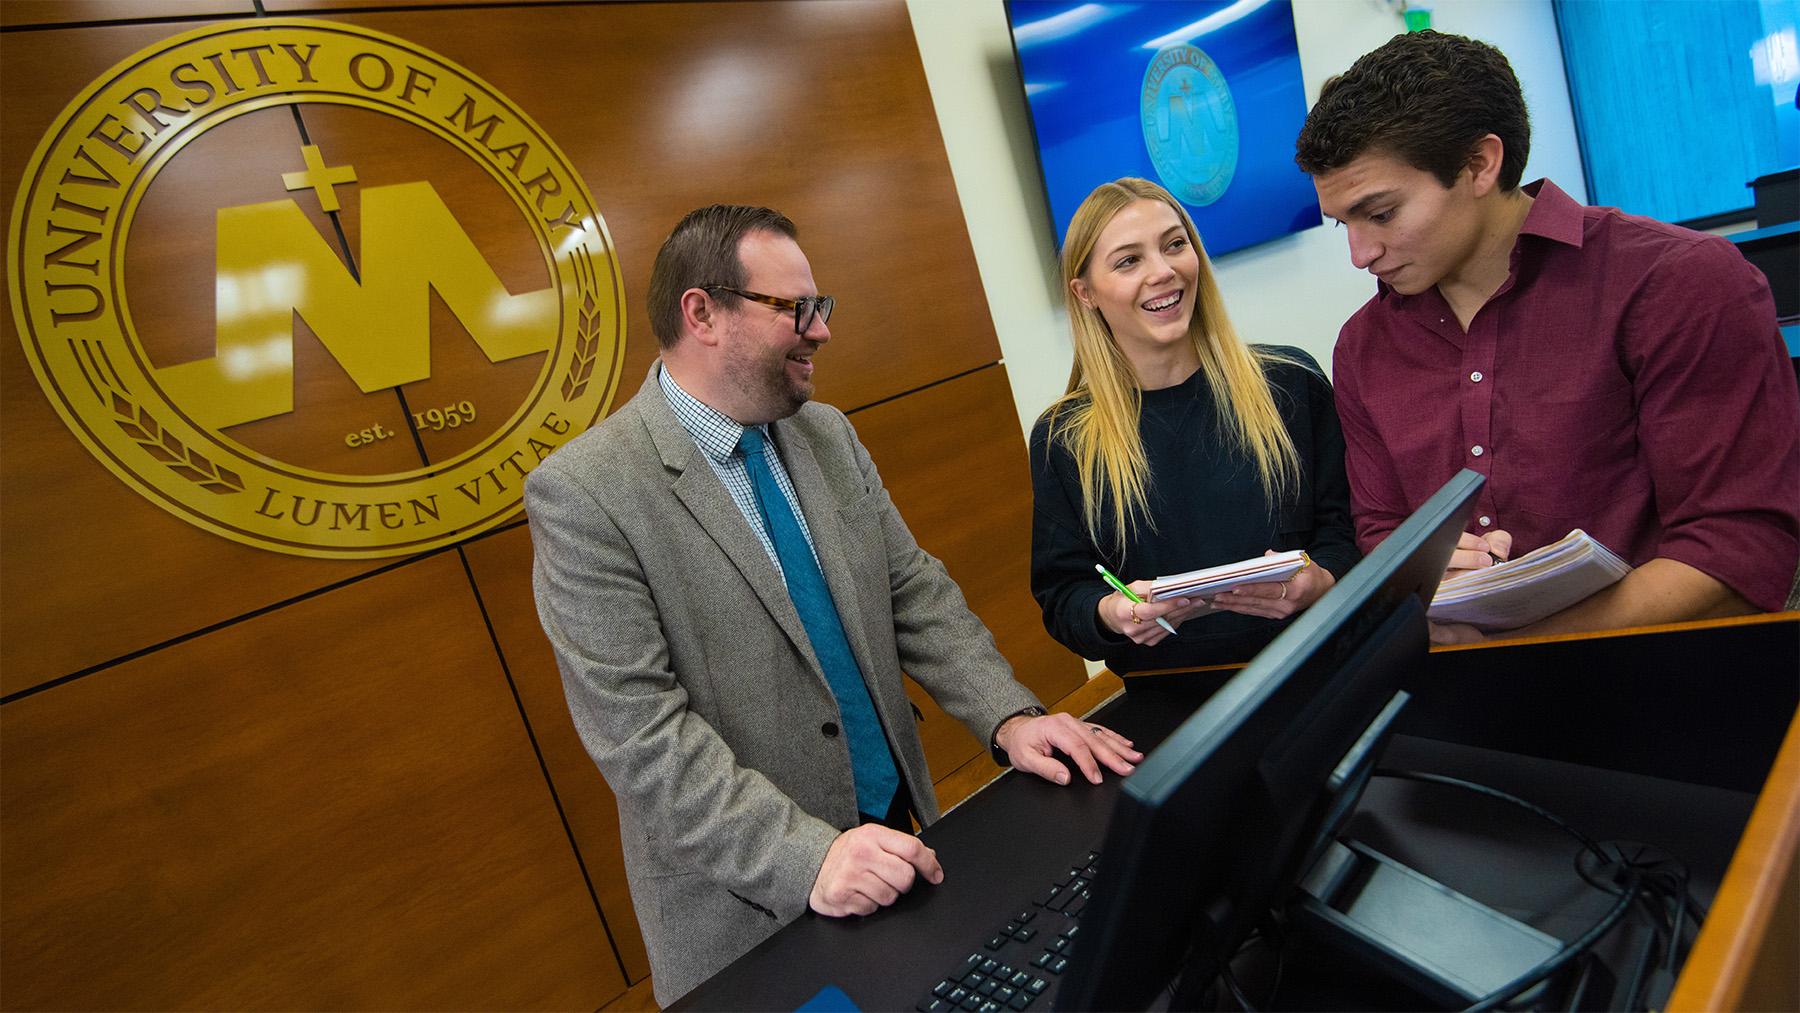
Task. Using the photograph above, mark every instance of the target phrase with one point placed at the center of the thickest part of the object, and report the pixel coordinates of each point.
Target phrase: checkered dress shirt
(717, 437)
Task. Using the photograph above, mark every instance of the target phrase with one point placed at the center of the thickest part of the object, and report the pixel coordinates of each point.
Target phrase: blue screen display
(1203, 97)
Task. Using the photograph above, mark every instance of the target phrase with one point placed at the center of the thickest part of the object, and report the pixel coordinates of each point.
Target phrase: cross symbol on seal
(319, 178)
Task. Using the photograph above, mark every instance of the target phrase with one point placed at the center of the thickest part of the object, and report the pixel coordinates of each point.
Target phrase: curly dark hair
(1424, 98)
(703, 250)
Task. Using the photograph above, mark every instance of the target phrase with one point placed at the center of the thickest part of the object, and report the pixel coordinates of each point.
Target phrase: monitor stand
(1449, 948)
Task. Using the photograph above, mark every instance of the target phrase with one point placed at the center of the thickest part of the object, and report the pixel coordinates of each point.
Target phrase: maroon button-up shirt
(1628, 378)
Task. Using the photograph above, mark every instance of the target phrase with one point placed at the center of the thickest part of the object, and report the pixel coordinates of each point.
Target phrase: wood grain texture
(817, 108)
(80, 544)
(21, 13)
(332, 806)
(1747, 956)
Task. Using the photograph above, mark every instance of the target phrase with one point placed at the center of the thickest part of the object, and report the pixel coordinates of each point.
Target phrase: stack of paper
(1215, 579)
(1521, 591)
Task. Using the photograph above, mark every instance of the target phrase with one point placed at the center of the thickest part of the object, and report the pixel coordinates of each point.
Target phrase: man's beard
(761, 377)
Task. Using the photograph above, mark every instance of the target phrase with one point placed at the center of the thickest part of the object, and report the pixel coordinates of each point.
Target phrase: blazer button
(830, 729)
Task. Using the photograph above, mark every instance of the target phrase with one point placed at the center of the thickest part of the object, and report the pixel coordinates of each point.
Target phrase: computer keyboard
(1017, 965)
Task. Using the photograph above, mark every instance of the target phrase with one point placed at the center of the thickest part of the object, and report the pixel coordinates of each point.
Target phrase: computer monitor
(1217, 824)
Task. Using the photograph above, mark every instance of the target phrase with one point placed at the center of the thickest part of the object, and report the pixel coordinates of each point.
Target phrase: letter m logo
(272, 264)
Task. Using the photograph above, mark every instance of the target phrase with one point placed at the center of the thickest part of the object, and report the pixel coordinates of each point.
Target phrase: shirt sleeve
(1063, 556)
(1377, 499)
(1718, 419)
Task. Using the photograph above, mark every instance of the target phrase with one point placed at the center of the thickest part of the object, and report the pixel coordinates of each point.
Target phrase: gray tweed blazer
(692, 683)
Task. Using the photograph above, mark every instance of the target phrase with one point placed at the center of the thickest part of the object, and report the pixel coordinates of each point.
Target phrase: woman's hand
(1278, 599)
(1138, 621)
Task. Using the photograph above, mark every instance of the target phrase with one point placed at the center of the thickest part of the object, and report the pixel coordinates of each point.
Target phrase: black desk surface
(1658, 737)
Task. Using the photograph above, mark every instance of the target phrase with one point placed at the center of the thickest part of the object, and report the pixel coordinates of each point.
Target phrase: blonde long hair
(1097, 417)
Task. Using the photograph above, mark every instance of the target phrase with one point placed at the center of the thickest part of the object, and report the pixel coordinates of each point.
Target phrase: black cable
(1542, 972)
(1237, 992)
(1660, 880)
(1481, 789)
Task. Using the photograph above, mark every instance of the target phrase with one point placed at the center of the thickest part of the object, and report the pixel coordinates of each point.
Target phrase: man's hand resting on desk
(1032, 742)
(869, 867)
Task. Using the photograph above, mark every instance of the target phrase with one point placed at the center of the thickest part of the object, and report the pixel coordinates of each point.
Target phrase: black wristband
(994, 750)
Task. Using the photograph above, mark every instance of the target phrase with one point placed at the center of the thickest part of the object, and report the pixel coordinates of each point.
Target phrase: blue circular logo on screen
(1190, 124)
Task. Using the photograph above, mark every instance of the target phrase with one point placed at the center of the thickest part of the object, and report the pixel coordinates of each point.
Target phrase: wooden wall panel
(19, 13)
(332, 806)
(93, 571)
(501, 564)
(819, 109)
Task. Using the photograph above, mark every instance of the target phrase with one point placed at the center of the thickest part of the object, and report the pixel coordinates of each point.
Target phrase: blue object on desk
(831, 999)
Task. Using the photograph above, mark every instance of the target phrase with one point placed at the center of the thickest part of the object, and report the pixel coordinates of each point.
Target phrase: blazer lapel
(706, 499)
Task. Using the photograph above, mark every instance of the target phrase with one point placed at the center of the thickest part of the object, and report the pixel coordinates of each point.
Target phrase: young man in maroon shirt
(1604, 371)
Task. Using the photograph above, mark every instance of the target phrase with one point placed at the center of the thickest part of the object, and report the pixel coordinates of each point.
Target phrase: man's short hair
(703, 250)
(1424, 98)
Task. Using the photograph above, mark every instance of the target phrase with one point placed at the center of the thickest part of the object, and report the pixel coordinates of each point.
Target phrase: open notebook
(1521, 591)
(1215, 579)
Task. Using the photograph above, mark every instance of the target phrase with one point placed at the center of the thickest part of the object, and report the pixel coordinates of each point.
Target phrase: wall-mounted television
(1202, 96)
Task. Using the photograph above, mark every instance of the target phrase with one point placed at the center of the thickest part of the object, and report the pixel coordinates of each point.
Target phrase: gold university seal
(372, 294)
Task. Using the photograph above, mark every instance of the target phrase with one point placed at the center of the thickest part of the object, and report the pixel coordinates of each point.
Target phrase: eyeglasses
(804, 309)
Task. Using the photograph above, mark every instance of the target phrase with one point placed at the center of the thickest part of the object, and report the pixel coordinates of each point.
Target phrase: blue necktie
(873, 765)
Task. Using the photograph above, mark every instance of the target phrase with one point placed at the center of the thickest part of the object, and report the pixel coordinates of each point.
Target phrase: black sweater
(1208, 507)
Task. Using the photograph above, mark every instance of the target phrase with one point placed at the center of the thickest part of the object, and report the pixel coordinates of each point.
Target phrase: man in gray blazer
(732, 598)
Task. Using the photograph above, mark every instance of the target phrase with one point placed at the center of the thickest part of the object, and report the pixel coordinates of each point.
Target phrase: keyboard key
(956, 996)
(1059, 965)
(987, 987)
(1077, 904)
(932, 1004)
(945, 987)
(1022, 1000)
(1037, 986)
(973, 980)
(1011, 927)
(989, 965)
(1004, 993)
(1024, 935)
(1043, 959)
(1021, 979)
(996, 942)
(1049, 898)
(1069, 933)
(991, 1006)
(972, 1003)
(1024, 916)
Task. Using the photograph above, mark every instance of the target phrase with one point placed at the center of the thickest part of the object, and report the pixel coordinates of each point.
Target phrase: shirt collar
(714, 432)
(1553, 215)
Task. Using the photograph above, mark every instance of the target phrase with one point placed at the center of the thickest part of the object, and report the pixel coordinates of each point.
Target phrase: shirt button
(1476, 450)
(1475, 376)
(830, 729)
(1486, 521)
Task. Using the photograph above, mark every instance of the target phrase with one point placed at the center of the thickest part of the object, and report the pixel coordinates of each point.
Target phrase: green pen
(1119, 586)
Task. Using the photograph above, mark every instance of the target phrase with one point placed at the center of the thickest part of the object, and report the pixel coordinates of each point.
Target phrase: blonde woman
(1176, 446)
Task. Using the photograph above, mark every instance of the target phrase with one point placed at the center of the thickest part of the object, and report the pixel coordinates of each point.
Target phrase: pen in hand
(1119, 586)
